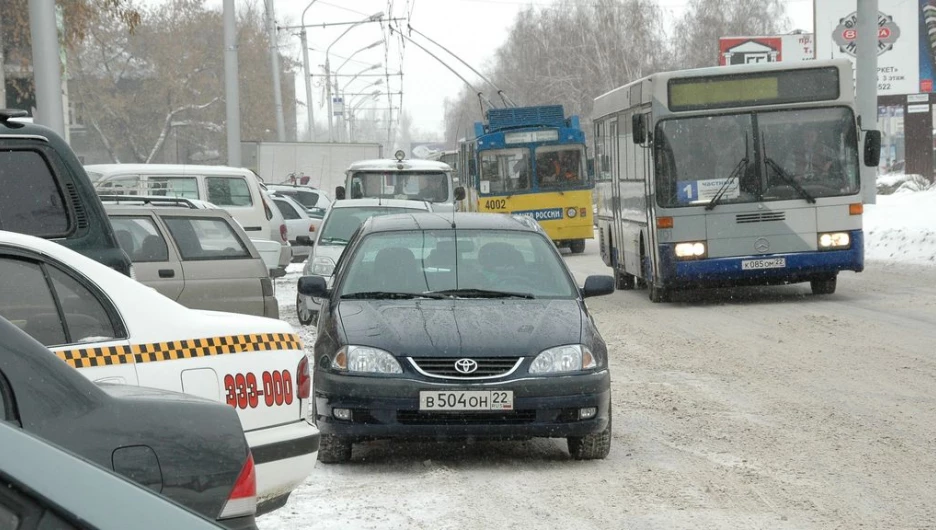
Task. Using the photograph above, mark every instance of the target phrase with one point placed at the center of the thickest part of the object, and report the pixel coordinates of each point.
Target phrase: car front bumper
(284, 457)
(385, 407)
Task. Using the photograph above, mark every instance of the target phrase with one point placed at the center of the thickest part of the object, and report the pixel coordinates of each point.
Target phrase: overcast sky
(472, 29)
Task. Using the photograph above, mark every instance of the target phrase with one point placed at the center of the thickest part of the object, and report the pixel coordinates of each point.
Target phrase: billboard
(770, 49)
(905, 57)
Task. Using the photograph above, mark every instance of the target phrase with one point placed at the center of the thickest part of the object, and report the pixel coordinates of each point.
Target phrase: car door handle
(166, 273)
(252, 228)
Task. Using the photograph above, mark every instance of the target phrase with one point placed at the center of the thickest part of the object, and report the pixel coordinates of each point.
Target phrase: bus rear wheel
(577, 246)
(824, 285)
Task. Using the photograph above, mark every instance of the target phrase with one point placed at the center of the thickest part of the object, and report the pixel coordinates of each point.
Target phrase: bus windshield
(753, 157)
(431, 186)
(559, 167)
(505, 171)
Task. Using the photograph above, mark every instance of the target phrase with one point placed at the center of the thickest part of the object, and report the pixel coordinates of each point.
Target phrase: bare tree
(707, 20)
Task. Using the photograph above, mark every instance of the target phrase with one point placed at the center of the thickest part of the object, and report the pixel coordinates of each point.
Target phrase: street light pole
(231, 89)
(308, 74)
(328, 82)
(46, 65)
(274, 60)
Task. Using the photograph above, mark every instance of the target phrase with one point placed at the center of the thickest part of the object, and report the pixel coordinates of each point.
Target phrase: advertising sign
(905, 58)
(771, 49)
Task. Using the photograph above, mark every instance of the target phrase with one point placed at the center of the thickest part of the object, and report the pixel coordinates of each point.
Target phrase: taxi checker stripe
(181, 349)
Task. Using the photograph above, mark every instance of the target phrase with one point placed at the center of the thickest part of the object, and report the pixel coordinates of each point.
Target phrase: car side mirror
(872, 148)
(460, 193)
(339, 193)
(639, 126)
(598, 285)
(314, 286)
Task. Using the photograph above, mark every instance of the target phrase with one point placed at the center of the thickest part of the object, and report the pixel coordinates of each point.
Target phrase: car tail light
(312, 228)
(303, 379)
(284, 234)
(243, 498)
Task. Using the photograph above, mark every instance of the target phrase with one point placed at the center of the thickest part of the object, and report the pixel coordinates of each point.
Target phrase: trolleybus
(732, 176)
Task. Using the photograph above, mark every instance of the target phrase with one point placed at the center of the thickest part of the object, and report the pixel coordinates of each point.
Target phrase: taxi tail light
(243, 498)
(303, 379)
(284, 234)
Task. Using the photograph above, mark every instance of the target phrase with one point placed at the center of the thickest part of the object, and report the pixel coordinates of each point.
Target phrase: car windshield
(479, 263)
(342, 222)
(753, 157)
(429, 186)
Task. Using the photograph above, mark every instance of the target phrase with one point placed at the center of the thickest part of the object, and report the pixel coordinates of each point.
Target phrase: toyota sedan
(437, 327)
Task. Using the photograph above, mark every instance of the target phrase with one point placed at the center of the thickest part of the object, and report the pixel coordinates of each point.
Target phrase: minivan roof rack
(149, 200)
(6, 114)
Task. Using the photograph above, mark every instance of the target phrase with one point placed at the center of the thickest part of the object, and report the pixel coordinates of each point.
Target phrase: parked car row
(71, 306)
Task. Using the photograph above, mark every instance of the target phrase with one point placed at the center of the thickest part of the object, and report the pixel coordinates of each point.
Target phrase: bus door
(644, 165)
(617, 174)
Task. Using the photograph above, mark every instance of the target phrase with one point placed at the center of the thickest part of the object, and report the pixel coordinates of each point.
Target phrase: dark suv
(45, 192)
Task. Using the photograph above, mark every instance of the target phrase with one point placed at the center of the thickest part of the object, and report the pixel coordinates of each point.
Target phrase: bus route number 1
(495, 204)
(687, 190)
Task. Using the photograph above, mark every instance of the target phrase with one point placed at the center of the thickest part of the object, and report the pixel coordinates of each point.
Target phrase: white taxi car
(114, 329)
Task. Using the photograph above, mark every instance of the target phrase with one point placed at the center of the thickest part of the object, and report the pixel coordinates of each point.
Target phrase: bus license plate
(757, 264)
(466, 400)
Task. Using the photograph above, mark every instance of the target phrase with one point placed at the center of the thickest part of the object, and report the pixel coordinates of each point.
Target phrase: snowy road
(733, 409)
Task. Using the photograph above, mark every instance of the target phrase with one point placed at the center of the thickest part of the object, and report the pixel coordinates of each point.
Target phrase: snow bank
(902, 228)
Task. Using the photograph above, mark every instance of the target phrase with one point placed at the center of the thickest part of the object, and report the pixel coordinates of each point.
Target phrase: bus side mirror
(872, 148)
(472, 169)
(460, 193)
(339, 193)
(639, 125)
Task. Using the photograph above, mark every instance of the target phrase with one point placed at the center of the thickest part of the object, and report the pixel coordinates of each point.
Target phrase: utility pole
(274, 61)
(231, 88)
(46, 65)
(866, 85)
(2, 71)
(307, 73)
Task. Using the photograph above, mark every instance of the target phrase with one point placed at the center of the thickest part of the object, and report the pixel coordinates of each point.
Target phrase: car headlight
(570, 358)
(320, 266)
(834, 240)
(366, 360)
(690, 250)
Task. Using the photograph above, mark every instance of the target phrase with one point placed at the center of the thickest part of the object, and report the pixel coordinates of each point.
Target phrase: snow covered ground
(902, 228)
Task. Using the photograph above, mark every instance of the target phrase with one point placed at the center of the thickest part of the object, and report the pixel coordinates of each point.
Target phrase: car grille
(516, 417)
(759, 217)
(444, 367)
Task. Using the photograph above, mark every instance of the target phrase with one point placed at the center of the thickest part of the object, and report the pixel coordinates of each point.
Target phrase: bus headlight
(690, 250)
(834, 240)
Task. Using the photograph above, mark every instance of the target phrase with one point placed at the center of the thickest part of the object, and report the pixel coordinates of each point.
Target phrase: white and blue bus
(745, 175)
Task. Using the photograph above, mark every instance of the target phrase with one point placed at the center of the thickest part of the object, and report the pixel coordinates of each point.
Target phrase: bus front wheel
(824, 285)
(624, 281)
(577, 246)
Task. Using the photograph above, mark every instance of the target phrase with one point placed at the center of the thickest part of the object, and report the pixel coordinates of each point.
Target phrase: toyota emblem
(762, 245)
(466, 366)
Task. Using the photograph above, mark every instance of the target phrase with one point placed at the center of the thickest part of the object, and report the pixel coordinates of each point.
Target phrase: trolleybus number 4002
(466, 400)
(757, 264)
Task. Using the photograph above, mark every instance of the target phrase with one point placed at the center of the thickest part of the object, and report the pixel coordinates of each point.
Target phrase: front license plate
(466, 400)
(757, 264)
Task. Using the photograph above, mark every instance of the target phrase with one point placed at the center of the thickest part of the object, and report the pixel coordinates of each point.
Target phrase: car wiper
(334, 240)
(742, 166)
(789, 180)
(387, 295)
(481, 293)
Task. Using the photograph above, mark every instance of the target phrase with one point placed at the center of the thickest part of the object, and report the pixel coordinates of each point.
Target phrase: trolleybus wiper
(789, 180)
(742, 165)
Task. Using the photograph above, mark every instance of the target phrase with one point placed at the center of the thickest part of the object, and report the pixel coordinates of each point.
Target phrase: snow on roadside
(902, 228)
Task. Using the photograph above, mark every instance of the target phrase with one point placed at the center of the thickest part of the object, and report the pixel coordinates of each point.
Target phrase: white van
(236, 190)
(400, 178)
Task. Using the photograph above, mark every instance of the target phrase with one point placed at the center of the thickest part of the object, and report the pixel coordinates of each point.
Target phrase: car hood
(461, 327)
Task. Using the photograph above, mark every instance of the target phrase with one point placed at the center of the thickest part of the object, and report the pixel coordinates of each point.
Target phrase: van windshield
(431, 186)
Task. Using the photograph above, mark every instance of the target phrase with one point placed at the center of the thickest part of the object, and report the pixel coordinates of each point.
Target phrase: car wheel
(624, 281)
(595, 446)
(334, 450)
(306, 316)
(577, 246)
(823, 285)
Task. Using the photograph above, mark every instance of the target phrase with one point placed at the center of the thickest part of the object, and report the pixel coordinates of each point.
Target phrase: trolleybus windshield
(759, 156)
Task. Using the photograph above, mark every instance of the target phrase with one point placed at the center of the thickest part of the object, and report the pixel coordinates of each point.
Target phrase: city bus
(738, 175)
(531, 161)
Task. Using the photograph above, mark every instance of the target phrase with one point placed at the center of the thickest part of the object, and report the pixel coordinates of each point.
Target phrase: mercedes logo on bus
(466, 366)
(762, 245)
